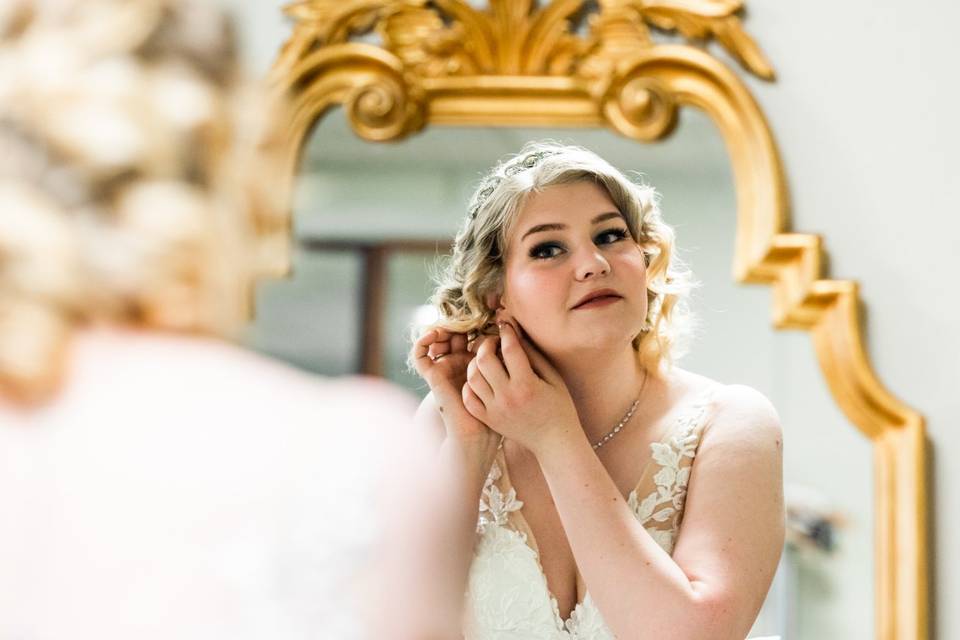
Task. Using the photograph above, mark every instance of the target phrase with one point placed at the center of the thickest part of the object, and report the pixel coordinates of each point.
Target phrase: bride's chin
(575, 341)
(612, 342)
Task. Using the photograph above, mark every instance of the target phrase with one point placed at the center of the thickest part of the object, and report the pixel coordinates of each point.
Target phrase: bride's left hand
(523, 398)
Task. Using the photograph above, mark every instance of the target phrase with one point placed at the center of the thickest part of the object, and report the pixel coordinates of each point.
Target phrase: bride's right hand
(441, 358)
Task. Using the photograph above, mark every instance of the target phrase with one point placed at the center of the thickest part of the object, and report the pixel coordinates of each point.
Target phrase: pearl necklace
(617, 428)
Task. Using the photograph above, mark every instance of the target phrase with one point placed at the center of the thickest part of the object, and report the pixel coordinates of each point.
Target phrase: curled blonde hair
(475, 269)
(133, 182)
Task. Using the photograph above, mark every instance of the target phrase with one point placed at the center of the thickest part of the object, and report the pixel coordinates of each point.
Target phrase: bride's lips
(598, 298)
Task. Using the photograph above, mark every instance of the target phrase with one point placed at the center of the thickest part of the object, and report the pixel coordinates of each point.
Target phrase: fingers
(441, 343)
(476, 379)
(458, 342)
(514, 356)
(439, 349)
(489, 364)
(472, 402)
(537, 361)
(437, 342)
(421, 351)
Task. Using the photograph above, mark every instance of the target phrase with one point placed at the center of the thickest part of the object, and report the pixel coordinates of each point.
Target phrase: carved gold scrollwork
(451, 37)
(570, 62)
(640, 107)
(427, 47)
(381, 101)
(381, 109)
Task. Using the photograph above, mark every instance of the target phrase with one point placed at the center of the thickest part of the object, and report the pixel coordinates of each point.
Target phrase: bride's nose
(591, 262)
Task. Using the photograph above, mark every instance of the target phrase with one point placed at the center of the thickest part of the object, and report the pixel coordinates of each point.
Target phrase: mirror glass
(370, 220)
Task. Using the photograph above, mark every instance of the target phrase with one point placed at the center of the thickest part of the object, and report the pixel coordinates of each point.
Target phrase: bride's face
(567, 242)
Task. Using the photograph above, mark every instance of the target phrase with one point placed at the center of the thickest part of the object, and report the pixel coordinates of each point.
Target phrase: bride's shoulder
(737, 410)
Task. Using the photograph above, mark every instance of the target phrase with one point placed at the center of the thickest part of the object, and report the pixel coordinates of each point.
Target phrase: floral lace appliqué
(661, 511)
(495, 507)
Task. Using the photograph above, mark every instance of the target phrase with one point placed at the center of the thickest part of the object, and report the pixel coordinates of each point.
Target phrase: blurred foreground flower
(136, 167)
(169, 484)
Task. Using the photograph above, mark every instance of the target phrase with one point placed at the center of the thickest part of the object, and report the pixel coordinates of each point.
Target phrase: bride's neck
(603, 385)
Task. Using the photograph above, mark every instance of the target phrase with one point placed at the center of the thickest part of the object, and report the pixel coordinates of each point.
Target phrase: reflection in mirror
(371, 219)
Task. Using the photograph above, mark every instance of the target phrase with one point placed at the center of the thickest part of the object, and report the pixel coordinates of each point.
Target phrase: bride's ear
(494, 302)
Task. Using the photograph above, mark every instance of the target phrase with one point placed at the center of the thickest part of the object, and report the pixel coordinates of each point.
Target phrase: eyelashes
(619, 234)
(537, 252)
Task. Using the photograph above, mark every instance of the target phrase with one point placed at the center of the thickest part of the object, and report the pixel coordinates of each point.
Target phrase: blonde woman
(619, 494)
(157, 480)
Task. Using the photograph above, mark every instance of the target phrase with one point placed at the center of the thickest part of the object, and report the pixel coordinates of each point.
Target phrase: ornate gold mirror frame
(447, 62)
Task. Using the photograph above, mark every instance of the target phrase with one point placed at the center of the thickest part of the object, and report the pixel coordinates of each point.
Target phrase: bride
(619, 495)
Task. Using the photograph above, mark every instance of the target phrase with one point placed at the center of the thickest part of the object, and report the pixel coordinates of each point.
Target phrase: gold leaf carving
(640, 108)
(616, 32)
(699, 20)
(516, 37)
(729, 32)
(334, 22)
(426, 46)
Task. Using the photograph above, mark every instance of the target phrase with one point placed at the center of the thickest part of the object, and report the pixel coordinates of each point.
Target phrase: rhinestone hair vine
(528, 161)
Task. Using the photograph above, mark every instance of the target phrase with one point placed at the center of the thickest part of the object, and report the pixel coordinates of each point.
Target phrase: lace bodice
(507, 593)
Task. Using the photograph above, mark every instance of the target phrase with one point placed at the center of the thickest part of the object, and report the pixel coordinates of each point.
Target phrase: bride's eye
(542, 251)
(616, 234)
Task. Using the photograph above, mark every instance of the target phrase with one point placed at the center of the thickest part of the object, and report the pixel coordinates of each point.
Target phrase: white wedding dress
(507, 595)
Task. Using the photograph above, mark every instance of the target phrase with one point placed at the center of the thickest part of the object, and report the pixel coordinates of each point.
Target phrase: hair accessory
(512, 168)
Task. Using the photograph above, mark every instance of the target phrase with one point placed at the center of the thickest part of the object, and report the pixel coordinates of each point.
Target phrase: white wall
(865, 112)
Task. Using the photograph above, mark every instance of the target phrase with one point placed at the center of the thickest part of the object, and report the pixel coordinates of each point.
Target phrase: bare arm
(446, 527)
(720, 571)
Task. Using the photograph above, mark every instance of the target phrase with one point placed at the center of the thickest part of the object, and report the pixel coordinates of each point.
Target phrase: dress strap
(699, 411)
(683, 433)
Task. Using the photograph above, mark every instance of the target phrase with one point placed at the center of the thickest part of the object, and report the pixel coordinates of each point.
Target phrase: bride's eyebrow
(556, 226)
